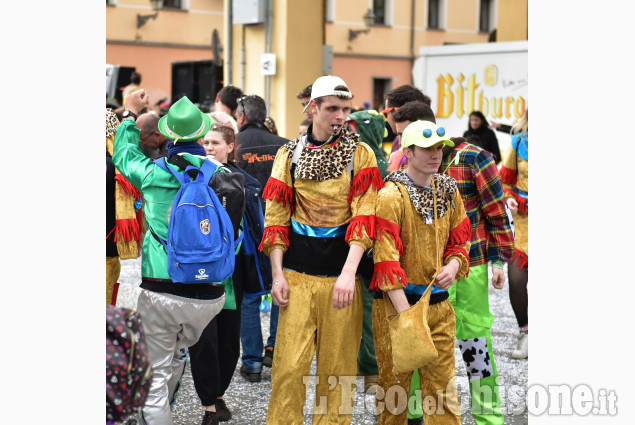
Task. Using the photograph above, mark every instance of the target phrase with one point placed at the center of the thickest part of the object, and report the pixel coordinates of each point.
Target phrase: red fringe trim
(523, 203)
(391, 229)
(278, 190)
(127, 187)
(386, 270)
(115, 291)
(363, 179)
(127, 229)
(359, 222)
(270, 234)
(454, 250)
(461, 234)
(140, 218)
(522, 260)
(508, 176)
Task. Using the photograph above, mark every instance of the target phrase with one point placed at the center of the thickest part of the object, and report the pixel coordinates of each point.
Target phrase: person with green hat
(422, 238)
(174, 314)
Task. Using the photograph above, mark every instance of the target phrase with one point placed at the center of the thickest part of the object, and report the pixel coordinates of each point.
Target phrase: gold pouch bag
(412, 345)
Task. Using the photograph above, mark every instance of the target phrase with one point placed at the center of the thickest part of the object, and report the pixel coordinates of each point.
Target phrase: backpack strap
(208, 168)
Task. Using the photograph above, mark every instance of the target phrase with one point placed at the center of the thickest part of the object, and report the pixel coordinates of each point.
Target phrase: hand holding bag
(412, 345)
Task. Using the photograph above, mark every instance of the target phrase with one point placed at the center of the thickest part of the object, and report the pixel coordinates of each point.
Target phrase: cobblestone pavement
(248, 401)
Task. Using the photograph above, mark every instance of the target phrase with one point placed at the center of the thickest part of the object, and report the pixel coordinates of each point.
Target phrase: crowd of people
(355, 246)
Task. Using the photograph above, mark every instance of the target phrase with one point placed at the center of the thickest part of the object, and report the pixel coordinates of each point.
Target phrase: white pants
(170, 323)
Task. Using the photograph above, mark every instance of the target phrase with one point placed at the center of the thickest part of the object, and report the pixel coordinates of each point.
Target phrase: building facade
(371, 44)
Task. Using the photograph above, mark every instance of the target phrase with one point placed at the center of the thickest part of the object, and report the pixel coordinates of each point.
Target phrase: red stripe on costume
(127, 187)
(115, 291)
(508, 175)
(359, 222)
(521, 259)
(363, 179)
(455, 250)
(391, 229)
(523, 203)
(139, 216)
(270, 234)
(385, 270)
(461, 234)
(127, 229)
(278, 190)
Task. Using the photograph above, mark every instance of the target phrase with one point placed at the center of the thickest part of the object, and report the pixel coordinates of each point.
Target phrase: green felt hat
(184, 122)
(424, 134)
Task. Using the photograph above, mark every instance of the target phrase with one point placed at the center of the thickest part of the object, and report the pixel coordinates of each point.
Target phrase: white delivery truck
(487, 77)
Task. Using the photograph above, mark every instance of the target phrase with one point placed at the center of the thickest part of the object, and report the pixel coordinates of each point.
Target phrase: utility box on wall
(247, 12)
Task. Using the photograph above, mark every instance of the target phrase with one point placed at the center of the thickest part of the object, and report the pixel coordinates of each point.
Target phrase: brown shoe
(222, 412)
(370, 383)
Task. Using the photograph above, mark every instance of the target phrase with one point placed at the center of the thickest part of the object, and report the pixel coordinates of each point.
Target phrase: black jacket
(489, 142)
(253, 274)
(256, 150)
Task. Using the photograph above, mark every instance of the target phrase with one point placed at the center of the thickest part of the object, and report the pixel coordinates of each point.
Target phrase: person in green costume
(174, 313)
(492, 241)
(371, 127)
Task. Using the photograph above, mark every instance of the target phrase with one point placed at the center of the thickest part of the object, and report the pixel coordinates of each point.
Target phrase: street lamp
(369, 19)
(142, 19)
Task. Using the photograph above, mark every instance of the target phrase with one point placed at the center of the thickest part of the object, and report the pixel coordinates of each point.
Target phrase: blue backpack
(200, 243)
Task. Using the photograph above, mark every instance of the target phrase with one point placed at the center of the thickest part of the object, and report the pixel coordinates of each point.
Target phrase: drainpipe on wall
(268, 31)
(229, 30)
(412, 35)
(242, 62)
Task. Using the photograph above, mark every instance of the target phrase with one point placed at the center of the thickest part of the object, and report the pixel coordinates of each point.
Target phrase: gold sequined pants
(113, 268)
(439, 397)
(309, 324)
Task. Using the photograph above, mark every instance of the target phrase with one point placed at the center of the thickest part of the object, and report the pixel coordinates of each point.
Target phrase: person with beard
(174, 313)
(257, 146)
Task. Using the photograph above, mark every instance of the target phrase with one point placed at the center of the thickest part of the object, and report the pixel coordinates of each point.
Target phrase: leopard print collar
(324, 164)
(423, 201)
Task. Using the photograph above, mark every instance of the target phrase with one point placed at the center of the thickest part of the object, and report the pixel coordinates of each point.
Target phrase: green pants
(366, 360)
(470, 300)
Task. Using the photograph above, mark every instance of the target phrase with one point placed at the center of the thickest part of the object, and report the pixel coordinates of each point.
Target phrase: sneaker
(267, 360)
(222, 412)
(370, 383)
(210, 418)
(249, 376)
(522, 350)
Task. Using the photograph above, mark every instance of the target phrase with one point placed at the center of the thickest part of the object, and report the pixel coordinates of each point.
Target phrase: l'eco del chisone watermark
(536, 399)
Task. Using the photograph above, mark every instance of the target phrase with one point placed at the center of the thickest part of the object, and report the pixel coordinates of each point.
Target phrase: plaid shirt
(480, 185)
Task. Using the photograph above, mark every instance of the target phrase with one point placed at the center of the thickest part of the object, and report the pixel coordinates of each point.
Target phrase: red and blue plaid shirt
(480, 185)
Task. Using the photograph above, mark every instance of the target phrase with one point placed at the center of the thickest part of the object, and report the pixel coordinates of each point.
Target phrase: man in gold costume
(423, 238)
(319, 221)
